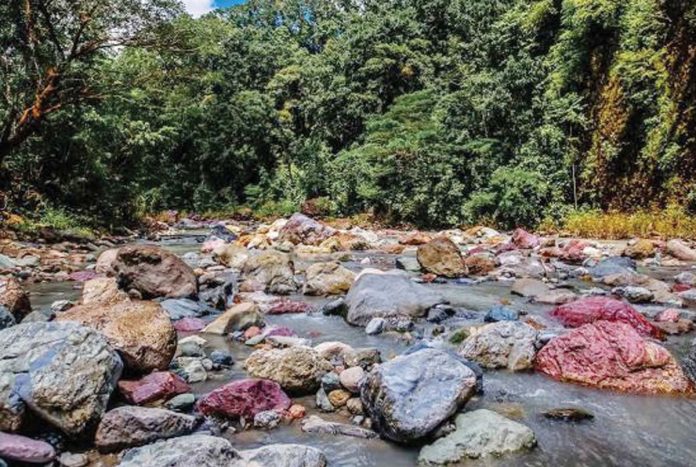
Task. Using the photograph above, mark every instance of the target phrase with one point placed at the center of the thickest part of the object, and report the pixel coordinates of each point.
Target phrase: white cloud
(198, 7)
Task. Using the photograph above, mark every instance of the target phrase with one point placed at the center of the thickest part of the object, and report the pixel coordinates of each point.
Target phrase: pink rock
(281, 331)
(612, 355)
(83, 276)
(211, 245)
(573, 252)
(189, 325)
(155, 386)
(589, 310)
(252, 332)
(676, 288)
(525, 240)
(245, 398)
(669, 315)
(305, 230)
(286, 306)
(22, 449)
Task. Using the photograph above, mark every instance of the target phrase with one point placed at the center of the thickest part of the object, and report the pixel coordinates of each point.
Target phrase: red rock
(415, 239)
(525, 240)
(589, 310)
(676, 288)
(189, 325)
(280, 331)
(252, 332)
(668, 315)
(573, 252)
(286, 306)
(244, 398)
(297, 411)
(155, 386)
(22, 449)
(83, 276)
(612, 355)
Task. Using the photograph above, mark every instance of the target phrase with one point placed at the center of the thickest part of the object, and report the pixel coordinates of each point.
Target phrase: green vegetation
(432, 112)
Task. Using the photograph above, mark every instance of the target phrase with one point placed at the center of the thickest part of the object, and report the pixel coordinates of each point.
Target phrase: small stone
(322, 401)
(297, 411)
(375, 326)
(315, 424)
(339, 397)
(330, 382)
(181, 403)
(222, 358)
(351, 378)
(501, 313)
(70, 459)
(22, 449)
(355, 406)
(568, 414)
(266, 420)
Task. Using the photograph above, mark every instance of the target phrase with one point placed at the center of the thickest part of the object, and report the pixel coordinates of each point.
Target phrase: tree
(48, 50)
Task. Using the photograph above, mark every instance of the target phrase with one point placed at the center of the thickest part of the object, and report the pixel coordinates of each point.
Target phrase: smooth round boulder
(22, 449)
(442, 257)
(154, 272)
(408, 397)
(130, 426)
(505, 344)
(140, 330)
(62, 372)
(244, 399)
(297, 369)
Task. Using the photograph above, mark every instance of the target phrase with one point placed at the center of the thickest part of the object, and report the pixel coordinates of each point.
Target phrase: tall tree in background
(48, 49)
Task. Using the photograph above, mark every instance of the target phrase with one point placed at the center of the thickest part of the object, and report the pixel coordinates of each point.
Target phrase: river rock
(686, 278)
(681, 250)
(569, 414)
(182, 308)
(525, 240)
(387, 295)
(14, 298)
(297, 369)
(641, 249)
(231, 255)
(408, 263)
(22, 449)
(479, 264)
(315, 424)
(244, 398)
(141, 331)
(442, 257)
(662, 292)
(501, 313)
(130, 426)
(154, 272)
(611, 266)
(192, 450)
(6, 318)
(102, 290)
(375, 326)
(408, 397)
(160, 385)
(282, 455)
(105, 262)
(328, 279)
(612, 355)
(63, 372)
(351, 378)
(301, 229)
(591, 309)
(529, 288)
(271, 272)
(506, 344)
(634, 294)
(238, 318)
(479, 434)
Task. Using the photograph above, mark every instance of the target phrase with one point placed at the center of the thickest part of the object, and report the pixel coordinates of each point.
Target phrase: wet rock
(6, 318)
(185, 451)
(192, 369)
(181, 403)
(82, 276)
(661, 291)
(507, 344)
(244, 399)
(408, 263)
(14, 298)
(282, 455)
(187, 325)
(479, 264)
(102, 290)
(556, 297)
(338, 397)
(315, 424)
(154, 272)
(612, 355)
(22, 449)
(62, 372)
(327, 279)
(301, 229)
(297, 369)
(501, 313)
(130, 426)
(364, 357)
(290, 307)
(525, 240)
(529, 288)
(641, 249)
(569, 414)
(611, 266)
(322, 401)
(681, 250)
(479, 434)
(141, 331)
(231, 255)
(105, 262)
(351, 378)
(330, 381)
(271, 272)
(336, 307)
(375, 326)
(442, 257)
(408, 397)
(222, 358)
(354, 406)
(591, 309)
(69, 459)
(386, 295)
(266, 420)
(238, 318)
(415, 239)
(160, 385)
(634, 294)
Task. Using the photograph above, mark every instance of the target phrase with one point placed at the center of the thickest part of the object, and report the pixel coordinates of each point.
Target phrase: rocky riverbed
(299, 343)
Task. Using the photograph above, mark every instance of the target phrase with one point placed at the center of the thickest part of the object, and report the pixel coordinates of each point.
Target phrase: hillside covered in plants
(431, 112)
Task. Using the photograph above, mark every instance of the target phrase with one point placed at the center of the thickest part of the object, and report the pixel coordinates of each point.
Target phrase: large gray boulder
(506, 344)
(282, 455)
(411, 395)
(63, 372)
(479, 434)
(386, 295)
(131, 426)
(185, 451)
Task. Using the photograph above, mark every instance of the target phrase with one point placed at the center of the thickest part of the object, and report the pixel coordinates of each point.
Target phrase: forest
(430, 112)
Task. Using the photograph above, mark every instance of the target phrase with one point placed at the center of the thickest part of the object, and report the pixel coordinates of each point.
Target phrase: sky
(200, 7)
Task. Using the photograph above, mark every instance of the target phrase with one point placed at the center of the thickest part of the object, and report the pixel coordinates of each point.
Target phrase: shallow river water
(626, 430)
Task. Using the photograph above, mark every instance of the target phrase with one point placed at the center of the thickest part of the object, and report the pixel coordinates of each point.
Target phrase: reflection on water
(626, 430)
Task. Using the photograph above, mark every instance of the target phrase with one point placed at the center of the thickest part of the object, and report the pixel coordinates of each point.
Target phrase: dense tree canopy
(436, 112)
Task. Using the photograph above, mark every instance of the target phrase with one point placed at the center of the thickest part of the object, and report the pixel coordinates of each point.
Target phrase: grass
(671, 222)
(56, 219)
